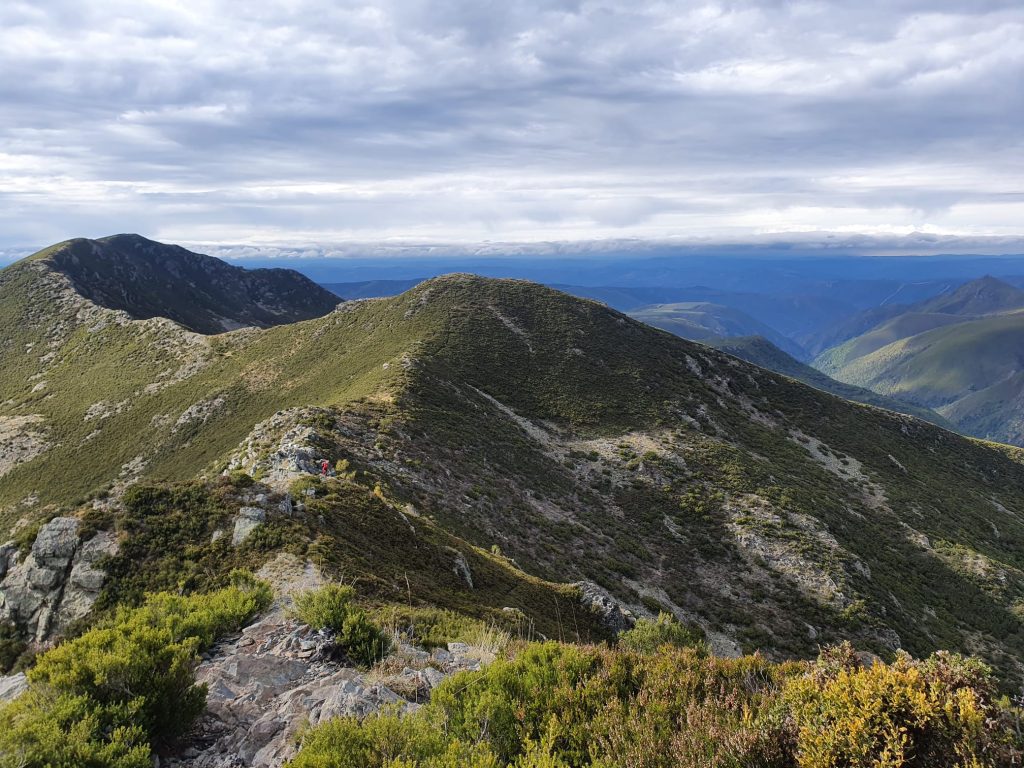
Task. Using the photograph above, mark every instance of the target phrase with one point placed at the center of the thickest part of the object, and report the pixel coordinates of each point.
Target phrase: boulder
(247, 521)
(612, 613)
(12, 687)
(56, 542)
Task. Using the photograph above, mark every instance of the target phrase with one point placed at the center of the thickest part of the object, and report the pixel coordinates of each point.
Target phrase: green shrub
(124, 684)
(241, 479)
(130, 663)
(300, 485)
(387, 741)
(331, 607)
(940, 711)
(562, 706)
(430, 627)
(649, 635)
(58, 730)
(326, 607)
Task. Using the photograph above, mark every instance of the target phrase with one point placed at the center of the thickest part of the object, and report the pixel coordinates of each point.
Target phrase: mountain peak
(985, 296)
(145, 278)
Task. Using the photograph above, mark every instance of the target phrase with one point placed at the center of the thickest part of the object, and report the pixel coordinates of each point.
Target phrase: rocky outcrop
(279, 675)
(282, 448)
(611, 612)
(12, 686)
(57, 582)
(247, 521)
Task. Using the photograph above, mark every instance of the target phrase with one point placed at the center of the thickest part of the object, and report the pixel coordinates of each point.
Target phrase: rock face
(247, 521)
(281, 448)
(613, 614)
(278, 675)
(57, 583)
(12, 687)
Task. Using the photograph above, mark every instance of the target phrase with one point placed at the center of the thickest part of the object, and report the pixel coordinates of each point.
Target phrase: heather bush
(387, 740)
(44, 728)
(647, 635)
(331, 607)
(562, 706)
(125, 684)
(940, 711)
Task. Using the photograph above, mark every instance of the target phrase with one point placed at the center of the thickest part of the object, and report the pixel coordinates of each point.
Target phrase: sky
(513, 121)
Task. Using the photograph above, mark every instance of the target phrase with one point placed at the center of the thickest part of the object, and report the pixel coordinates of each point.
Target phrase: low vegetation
(560, 706)
(648, 635)
(332, 608)
(126, 686)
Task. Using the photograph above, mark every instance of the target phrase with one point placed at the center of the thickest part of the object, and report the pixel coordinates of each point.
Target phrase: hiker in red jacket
(324, 467)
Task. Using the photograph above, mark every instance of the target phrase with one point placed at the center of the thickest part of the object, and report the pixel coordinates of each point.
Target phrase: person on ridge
(325, 466)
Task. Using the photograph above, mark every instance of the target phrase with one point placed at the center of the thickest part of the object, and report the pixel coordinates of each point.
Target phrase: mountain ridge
(582, 444)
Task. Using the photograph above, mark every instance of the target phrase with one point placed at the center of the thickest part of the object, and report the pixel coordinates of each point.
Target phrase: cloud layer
(314, 120)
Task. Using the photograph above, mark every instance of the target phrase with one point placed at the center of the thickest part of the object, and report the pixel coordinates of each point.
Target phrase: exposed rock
(200, 412)
(57, 583)
(281, 448)
(612, 613)
(12, 687)
(22, 438)
(247, 521)
(462, 570)
(8, 557)
(279, 675)
(56, 541)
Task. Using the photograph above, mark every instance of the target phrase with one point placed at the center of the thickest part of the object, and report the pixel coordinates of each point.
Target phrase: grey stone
(247, 521)
(8, 557)
(56, 542)
(42, 578)
(611, 612)
(58, 582)
(13, 686)
(434, 677)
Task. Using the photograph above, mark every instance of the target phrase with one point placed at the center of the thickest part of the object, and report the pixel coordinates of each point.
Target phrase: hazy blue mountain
(700, 321)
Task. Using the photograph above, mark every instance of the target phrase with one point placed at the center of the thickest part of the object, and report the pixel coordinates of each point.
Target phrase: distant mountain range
(961, 354)
(700, 321)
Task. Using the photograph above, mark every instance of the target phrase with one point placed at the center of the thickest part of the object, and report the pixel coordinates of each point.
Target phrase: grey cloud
(516, 120)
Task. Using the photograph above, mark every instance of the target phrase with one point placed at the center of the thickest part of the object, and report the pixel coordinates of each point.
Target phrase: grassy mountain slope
(901, 327)
(761, 352)
(149, 279)
(965, 371)
(582, 443)
(958, 353)
(833, 335)
(700, 321)
(984, 296)
(972, 300)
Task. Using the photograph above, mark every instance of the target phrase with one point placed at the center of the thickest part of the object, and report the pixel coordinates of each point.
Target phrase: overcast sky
(324, 121)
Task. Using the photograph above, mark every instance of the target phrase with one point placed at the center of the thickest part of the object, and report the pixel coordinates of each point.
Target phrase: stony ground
(278, 676)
